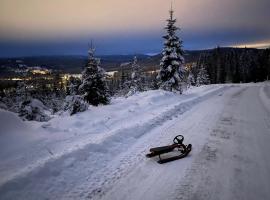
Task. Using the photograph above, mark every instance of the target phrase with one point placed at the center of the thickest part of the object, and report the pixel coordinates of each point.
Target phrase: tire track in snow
(198, 182)
(227, 146)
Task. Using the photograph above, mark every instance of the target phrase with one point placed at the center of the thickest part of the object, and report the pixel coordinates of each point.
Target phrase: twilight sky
(59, 27)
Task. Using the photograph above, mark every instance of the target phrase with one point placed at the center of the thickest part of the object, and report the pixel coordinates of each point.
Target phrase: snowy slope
(100, 153)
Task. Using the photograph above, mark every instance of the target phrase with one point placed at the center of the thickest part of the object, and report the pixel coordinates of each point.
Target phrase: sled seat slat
(163, 149)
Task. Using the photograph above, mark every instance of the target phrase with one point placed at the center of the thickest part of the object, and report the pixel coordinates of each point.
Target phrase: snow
(99, 153)
(11, 123)
(125, 64)
(152, 54)
(265, 95)
(34, 109)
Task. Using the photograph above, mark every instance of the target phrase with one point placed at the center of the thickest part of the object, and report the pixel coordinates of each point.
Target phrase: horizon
(45, 30)
(131, 54)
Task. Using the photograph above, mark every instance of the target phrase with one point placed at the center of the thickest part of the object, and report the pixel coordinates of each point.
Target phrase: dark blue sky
(126, 27)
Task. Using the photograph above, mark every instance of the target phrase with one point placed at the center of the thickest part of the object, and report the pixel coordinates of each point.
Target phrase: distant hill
(71, 64)
(75, 64)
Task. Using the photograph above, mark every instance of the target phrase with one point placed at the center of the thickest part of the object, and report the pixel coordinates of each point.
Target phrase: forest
(236, 65)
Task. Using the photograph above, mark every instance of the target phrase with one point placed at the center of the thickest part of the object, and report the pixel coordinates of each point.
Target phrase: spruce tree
(172, 69)
(203, 77)
(73, 86)
(193, 73)
(94, 87)
(22, 93)
(125, 80)
(191, 79)
(136, 78)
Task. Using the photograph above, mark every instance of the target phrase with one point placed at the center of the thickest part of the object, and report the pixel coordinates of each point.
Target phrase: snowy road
(230, 160)
(229, 128)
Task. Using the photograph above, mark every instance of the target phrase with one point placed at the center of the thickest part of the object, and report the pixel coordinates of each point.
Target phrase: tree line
(236, 65)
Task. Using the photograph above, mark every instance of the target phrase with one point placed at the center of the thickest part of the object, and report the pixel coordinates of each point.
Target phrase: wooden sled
(178, 145)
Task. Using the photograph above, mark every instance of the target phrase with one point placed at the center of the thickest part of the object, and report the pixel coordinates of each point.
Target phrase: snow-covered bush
(75, 104)
(33, 110)
(131, 92)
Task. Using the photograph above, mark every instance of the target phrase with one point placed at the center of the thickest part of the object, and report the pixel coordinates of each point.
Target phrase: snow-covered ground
(100, 153)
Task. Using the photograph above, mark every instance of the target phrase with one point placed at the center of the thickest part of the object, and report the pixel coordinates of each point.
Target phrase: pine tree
(73, 86)
(94, 87)
(124, 80)
(172, 69)
(57, 84)
(136, 78)
(191, 79)
(202, 78)
(193, 73)
(22, 93)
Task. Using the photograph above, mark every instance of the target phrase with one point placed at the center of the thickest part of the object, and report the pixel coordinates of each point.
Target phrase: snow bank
(265, 95)
(11, 123)
(18, 144)
(123, 113)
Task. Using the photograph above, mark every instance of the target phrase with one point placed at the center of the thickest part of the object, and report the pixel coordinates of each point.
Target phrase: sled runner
(182, 150)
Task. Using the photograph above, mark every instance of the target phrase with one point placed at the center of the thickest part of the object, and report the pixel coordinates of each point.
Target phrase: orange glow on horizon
(259, 45)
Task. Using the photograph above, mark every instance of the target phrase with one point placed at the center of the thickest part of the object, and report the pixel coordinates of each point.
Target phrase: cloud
(134, 25)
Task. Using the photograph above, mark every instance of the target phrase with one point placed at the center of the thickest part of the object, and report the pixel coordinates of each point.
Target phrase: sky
(65, 27)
